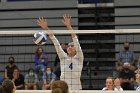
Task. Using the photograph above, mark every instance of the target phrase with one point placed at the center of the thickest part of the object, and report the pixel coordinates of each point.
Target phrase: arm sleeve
(79, 51)
(58, 48)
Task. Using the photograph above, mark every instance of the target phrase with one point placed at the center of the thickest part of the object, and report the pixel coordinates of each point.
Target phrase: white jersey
(116, 89)
(71, 67)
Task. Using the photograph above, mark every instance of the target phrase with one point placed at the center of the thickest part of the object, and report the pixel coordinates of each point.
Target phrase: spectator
(57, 63)
(10, 68)
(31, 80)
(48, 78)
(138, 65)
(59, 86)
(125, 56)
(109, 84)
(137, 81)
(8, 86)
(117, 85)
(127, 77)
(71, 63)
(41, 61)
(1, 89)
(1, 79)
(18, 79)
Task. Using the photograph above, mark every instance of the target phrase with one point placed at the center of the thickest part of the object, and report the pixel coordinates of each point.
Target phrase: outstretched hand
(67, 20)
(43, 23)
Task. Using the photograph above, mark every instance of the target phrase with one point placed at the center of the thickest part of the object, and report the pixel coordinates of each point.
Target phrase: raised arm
(67, 22)
(44, 25)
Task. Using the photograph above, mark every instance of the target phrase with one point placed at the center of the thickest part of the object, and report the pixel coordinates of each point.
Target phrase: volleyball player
(71, 62)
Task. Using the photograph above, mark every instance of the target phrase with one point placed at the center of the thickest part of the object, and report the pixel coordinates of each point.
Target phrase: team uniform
(71, 67)
(116, 89)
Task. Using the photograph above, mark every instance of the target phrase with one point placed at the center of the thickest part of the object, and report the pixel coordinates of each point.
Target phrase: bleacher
(94, 15)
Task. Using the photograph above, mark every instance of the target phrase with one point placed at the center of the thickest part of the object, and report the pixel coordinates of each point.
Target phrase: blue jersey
(43, 60)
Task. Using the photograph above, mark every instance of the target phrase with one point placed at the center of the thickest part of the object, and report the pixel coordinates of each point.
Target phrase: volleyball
(40, 38)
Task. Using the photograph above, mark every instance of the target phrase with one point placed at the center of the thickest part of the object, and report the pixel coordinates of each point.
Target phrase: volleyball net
(95, 44)
(75, 91)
